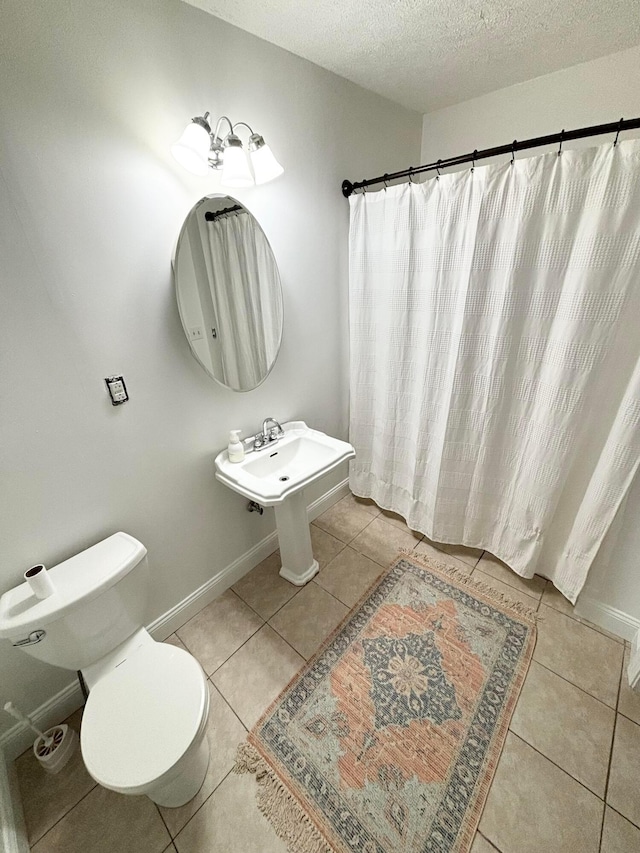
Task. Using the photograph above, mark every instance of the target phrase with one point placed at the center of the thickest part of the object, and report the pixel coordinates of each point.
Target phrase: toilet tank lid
(79, 578)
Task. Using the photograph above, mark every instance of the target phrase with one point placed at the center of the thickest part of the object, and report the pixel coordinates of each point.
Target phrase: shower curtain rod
(564, 136)
(210, 216)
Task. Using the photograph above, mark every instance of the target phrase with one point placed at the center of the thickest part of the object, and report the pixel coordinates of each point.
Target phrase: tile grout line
(284, 639)
(62, 817)
(606, 784)
(539, 600)
(613, 740)
(164, 823)
(602, 631)
(624, 817)
(298, 589)
(551, 761)
(495, 846)
(535, 601)
(206, 800)
(226, 701)
(226, 660)
(573, 684)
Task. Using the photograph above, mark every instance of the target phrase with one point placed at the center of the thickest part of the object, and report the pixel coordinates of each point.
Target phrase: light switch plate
(117, 390)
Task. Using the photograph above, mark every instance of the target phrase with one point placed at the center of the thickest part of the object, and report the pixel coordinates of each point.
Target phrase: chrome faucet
(267, 437)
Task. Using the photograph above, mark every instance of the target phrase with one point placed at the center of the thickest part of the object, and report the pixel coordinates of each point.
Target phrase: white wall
(591, 93)
(91, 203)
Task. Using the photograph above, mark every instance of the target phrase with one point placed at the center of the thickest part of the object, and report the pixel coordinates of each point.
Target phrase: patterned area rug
(388, 739)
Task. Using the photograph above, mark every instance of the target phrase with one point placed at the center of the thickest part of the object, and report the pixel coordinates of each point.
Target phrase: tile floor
(568, 780)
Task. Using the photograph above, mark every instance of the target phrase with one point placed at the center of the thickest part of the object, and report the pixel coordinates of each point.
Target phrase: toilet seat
(142, 717)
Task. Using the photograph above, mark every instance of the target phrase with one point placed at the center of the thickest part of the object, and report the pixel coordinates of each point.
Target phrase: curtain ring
(513, 151)
(561, 141)
(438, 170)
(410, 174)
(473, 159)
(384, 178)
(615, 141)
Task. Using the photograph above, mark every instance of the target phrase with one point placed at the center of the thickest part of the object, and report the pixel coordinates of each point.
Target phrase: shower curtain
(241, 270)
(495, 354)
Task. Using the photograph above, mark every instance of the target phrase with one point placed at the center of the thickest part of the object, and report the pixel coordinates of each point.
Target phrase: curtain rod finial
(347, 188)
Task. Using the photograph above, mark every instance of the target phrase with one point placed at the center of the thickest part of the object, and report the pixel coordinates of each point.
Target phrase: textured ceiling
(427, 54)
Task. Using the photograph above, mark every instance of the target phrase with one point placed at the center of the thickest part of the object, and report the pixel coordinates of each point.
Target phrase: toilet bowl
(143, 729)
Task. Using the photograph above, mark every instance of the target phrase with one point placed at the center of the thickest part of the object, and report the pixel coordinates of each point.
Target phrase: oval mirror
(228, 291)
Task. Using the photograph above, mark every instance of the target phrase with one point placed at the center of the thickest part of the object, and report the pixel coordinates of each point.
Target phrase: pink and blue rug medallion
(387, 740)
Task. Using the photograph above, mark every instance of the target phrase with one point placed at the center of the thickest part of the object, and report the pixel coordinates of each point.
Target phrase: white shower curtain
(495, 354)
(242, 271)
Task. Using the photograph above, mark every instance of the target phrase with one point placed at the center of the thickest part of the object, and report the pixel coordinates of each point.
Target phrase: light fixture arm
(216, 136)
(242, 124)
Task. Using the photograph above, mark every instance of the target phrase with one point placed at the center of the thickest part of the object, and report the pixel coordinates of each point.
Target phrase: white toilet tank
(99, 601)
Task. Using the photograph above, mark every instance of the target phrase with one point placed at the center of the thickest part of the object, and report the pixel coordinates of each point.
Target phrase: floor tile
(535, 806)
(509, 592)
(220, 628)
(578, 653)
(629, 701)
(467, 555)
(382, 542)
(569, 726)
(552, 597)
(481, 845)
(398, 521)
(47, 798)
(263, 589)
(428, 549)
(254, 676)
(348, 576)
(105, 822)
(497, 569)
(174, 640)
(325, 546)
(364, 503)
(308, 619)
(345, 519)
(224, 732)
(618, 835)
(230, 822)
(623, 791)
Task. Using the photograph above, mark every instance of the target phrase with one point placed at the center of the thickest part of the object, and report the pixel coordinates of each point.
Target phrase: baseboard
(16, 739)
(616, 621)
(13, 834)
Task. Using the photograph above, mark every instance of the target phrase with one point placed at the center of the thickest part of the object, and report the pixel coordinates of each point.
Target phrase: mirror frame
(174, 260)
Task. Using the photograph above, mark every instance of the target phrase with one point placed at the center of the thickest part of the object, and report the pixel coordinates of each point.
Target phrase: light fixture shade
(236, 169)
(192, 149)
(265, 165)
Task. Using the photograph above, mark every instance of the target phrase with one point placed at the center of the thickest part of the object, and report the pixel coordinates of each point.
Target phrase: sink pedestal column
(294, 537)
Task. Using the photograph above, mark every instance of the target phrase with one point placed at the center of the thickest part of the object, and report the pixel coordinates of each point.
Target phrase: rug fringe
(278, 805)
(463, 578)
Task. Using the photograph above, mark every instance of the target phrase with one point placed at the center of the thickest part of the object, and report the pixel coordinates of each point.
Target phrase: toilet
(144, 724)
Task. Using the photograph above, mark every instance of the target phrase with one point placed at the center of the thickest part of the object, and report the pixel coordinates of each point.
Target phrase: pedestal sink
(276, 475)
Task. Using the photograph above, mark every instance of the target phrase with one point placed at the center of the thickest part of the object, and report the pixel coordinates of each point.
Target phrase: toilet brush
(52, 748)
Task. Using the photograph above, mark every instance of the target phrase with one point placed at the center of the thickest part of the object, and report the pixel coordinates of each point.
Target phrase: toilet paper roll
(38, 579)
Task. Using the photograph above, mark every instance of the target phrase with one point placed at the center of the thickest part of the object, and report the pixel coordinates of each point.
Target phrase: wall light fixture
(200, 149)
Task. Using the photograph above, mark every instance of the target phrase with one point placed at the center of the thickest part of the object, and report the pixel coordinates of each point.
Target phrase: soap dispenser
(235, 449)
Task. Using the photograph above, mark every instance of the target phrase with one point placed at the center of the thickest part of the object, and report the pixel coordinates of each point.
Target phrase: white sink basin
(275, 476)
(270, 475)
